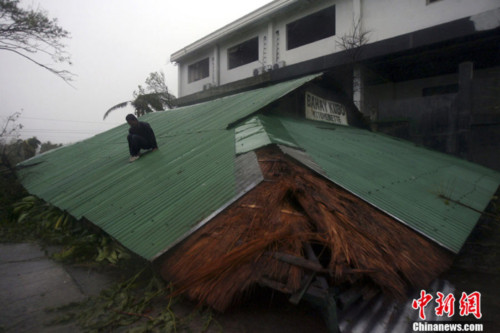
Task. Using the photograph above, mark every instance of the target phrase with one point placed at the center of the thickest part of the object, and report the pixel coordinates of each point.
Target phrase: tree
(353, 44)
(155, 97)
(12, 153)
(14, 150)
(354, 41)
(46, 146)
(29, 32)
(17, 151)
(10, 128)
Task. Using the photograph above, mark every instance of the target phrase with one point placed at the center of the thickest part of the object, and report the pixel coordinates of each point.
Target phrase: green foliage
(111, 251)
(155, 97)
(121, 305)
(10, 154)
(10, 191)
(18, 151)
(33, 219)
(46, 146)
(141, 304)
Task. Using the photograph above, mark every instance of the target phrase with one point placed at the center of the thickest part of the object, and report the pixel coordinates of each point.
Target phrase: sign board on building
(321, 109)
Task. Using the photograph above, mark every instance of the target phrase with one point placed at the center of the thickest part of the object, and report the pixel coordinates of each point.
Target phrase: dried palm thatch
(354, 241)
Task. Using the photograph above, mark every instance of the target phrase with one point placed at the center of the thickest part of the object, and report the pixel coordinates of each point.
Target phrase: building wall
(407, 90)
(484, 140)
(390, 18)
(465, 123)
(376, 94)
(382, 18)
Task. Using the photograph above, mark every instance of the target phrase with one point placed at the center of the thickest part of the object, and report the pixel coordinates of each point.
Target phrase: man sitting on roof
(141, 136)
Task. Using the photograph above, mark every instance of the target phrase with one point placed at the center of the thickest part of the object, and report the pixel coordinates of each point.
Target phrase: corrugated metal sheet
(379, 315)
(247, 172)
(150, 204)
(408, 182)
(258, 132)
(436, 194)
(304, 158)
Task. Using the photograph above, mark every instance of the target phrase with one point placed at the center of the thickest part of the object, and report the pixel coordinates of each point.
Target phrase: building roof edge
(240, 23)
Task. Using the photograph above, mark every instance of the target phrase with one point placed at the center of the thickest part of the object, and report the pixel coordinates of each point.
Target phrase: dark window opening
(198, 70)
(243, 53)
(311, 28)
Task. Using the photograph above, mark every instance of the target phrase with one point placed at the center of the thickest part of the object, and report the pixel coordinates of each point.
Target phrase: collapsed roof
(211, 162)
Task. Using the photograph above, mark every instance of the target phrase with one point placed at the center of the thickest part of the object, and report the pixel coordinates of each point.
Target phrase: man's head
(132, 120)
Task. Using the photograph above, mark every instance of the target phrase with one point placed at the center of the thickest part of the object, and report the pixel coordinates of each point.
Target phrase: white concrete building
(417, 58)
(289, 32)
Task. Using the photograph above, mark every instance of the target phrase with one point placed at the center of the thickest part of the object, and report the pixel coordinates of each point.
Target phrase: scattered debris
(292, 226)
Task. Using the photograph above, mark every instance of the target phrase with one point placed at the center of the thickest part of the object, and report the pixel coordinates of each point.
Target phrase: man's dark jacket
(143, 129)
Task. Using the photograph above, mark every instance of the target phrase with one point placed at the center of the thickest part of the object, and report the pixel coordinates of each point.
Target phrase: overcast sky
(114, 45)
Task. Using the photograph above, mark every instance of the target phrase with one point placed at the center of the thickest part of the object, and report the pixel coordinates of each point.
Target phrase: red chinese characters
(471, 304)
(421, 303)
(445, 305)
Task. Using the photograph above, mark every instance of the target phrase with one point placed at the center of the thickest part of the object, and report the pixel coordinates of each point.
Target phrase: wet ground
(31, 284)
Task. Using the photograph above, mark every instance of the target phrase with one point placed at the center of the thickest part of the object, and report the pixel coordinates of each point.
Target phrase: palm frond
(155, 97)
(117, 106)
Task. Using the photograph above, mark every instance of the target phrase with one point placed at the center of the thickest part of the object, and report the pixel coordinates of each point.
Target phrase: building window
(199, 70)
(311, 28)
(243, 53)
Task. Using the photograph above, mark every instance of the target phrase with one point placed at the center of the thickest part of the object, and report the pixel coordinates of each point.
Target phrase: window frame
(309, 23)
(197, 72)
(243, 53)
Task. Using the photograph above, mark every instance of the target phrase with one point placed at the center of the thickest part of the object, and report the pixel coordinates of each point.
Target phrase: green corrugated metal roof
(151, 204)
(398, 177)
(257, 132)
(154, 202)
